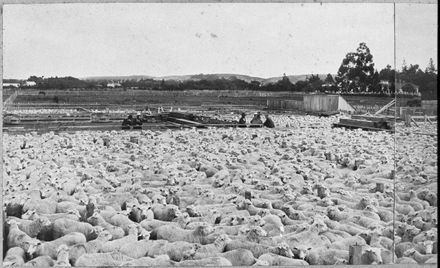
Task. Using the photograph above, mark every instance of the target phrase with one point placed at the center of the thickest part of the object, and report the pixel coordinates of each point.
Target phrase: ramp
(344, 106)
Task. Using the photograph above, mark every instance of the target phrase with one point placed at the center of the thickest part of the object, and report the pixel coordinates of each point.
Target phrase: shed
(326, 103)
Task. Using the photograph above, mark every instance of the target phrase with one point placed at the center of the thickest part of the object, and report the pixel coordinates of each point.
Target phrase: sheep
(343, 244)
(180, 221)
(335, 235)
(405, 260)
(62, 227)
(210, 261)
(173, 234)
(165, 212)
(32, 227)
(119, 220)
(97, 220)
(426, 235)
(161, 260)
(257, 250)
(66, 206)
(276, 260)
(410, 233)
(371, 255)
(71, 214)
(419, 258)
(18, 238)
(177, 251)
(102, 259)
(211, 250)
(44, 206)
(422, 225)
(62, 256)
(273, 222)
(15, 256)
(41, 261)
(93, 246)
(50, 248)
(192, 211)
(426, 247)
(239, 257)
(142, 248)
(118, 243)
(345, 227)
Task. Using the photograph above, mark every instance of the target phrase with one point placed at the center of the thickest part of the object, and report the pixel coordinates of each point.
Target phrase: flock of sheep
(296, 195)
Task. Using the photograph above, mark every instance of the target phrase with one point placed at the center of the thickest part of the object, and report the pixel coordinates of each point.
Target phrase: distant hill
(294, 78)
(247, 78)
(116, 78)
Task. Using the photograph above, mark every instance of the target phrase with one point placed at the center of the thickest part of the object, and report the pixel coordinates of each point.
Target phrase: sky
(263, 40)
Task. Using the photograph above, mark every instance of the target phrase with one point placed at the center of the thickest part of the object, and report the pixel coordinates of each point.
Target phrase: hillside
(247, 78)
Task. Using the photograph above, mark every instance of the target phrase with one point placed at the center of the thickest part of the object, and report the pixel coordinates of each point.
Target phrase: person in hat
(127, 122)
(256, 120)
(242, 120)
(269, 122)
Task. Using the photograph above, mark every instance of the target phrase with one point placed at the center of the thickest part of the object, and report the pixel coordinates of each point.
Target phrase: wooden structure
(279, 104)
(365, 124)
(386, 107)
(319, 104)
(326, 103)
(374, 122)
(355, 254)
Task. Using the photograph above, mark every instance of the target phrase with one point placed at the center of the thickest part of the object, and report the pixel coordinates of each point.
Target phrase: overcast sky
(262, 40)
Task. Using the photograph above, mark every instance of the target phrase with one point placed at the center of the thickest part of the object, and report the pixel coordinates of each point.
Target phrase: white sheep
(102, 259)
(93, 246)
(15, 256)
(173, 234)
(97, 220)
(62, 227)
(62, 256)
(116, 244)
(210, 261)
(41, 261)
(161, 260)
(50, 248)
(276, 260)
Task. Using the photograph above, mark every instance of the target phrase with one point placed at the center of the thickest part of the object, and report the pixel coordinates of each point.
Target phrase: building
(113, 84)
(403, 87)
(16, 85)
(30, 83)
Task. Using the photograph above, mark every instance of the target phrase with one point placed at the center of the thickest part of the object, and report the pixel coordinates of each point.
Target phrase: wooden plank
(357, 122)
(373, 118)
(414, 121)
(183, 121)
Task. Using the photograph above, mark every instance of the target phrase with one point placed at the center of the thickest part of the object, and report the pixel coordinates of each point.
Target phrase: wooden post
(355, 254)
(407, 120)
(247, 195)
(380, 187)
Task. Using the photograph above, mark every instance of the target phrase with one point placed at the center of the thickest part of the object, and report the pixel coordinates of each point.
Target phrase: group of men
(256, 120)
(134, 122)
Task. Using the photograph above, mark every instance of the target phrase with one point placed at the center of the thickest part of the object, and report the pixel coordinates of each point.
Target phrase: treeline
(356, 75)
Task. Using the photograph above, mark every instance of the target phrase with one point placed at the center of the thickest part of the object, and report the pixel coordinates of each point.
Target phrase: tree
(314, 82)
(284, 84)
(431, 67)
(329, 79)
(356, 70)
